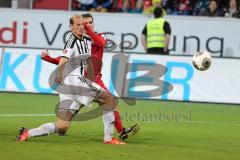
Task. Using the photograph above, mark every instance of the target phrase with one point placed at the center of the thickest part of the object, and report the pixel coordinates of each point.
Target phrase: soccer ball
(202, 60)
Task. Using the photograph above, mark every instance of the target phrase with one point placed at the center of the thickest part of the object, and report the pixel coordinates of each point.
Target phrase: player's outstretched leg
(61, 126)
(43, 130)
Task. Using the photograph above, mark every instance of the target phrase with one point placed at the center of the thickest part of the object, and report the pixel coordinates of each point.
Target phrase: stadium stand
(225, 8)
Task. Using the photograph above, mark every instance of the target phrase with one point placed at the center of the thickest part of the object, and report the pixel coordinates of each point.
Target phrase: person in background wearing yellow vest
(156, 34)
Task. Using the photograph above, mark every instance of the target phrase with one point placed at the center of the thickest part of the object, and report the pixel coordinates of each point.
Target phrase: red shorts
(101, 84)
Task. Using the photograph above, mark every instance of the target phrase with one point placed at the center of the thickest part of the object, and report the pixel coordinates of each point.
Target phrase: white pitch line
(27, 115)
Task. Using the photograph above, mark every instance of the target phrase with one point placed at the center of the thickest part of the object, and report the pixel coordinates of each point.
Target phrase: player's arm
(167, 30)
(61, 65)
(97, 39)
(167, 40)
(90, 70)
(65, 56)
(46, 57)
(143, 38)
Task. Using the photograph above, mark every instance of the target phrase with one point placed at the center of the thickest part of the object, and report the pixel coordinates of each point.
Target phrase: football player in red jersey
(99, 42)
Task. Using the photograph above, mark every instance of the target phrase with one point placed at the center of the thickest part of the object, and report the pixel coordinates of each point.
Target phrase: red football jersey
(97, 55)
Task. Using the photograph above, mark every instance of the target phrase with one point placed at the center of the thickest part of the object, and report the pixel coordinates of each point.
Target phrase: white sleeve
(89, 43)
(68, 52)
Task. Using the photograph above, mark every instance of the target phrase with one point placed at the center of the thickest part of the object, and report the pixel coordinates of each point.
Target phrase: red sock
(118, 122)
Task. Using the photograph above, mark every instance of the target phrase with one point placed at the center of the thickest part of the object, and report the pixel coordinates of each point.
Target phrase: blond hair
(74, 16)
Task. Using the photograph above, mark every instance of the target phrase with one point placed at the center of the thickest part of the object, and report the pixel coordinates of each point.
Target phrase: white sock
(108, 121)
(43, 130)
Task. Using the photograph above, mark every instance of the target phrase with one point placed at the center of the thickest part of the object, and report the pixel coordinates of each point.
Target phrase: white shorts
(77, 91)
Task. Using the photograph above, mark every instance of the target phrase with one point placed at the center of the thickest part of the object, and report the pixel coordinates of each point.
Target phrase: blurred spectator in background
(222, 5)
(201, 6)
(75, 5)
(83, 5)
(183, 7)
(156, 34)
(92, 5)
(127, 7)
(213, 9)
(149, 10)
(138, 7)
(122, 5)
(102, 5)
(146, 4)
(168, 6)
(232, 10)
(116, 6)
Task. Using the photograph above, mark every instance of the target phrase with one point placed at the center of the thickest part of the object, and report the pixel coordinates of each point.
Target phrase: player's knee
(106, 99)
(113, 101)
(60, 124)
(65, 115)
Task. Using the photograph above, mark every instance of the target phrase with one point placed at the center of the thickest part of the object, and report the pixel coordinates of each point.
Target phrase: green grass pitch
(169, 131)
